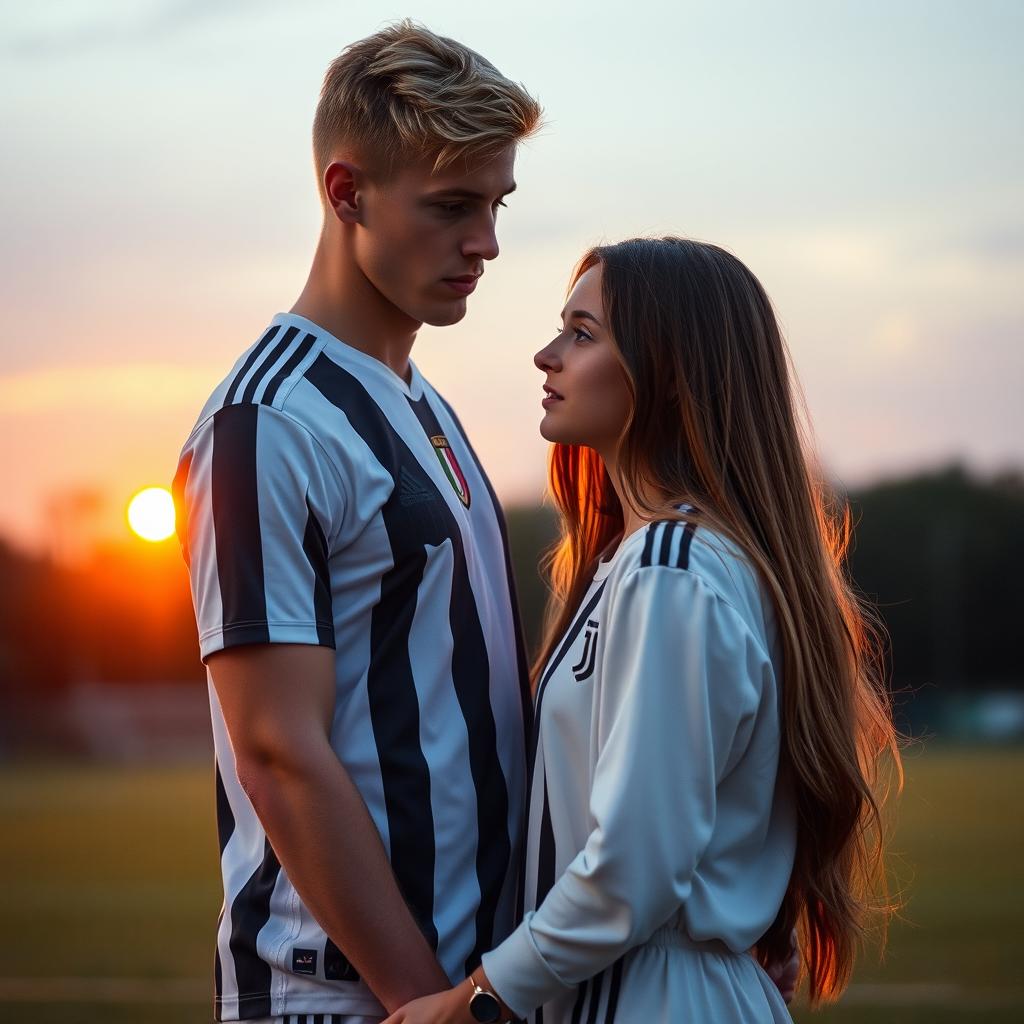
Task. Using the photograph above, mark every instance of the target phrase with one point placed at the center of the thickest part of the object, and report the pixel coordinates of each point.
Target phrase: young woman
(709, 717)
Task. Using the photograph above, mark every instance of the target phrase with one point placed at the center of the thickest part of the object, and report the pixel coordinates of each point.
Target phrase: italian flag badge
(451, 467)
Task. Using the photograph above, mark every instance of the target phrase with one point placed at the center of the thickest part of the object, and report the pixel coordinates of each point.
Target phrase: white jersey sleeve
(259, 506)
(683, 678)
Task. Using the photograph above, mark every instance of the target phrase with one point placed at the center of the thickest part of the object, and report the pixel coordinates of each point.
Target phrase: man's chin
(446, 315)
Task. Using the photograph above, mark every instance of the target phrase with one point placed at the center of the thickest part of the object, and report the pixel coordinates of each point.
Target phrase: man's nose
(483, 243)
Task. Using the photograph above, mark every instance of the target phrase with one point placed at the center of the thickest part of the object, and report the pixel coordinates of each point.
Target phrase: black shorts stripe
(683, 558)
(394, 707)
(250, 911)
(236, 523)
(275, 353)
(665, 550)
(645, 558)
(613, 992)
(314, 544)
(300, 353)
(257, 352)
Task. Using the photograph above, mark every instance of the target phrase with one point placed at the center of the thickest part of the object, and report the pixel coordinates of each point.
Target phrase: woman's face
(587, 399)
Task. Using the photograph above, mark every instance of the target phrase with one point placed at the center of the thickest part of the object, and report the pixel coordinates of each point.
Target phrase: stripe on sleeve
(314, 544)
(275, 354)
(236, 524)
(300, 353)
(645, 558)
(667, 533)
(257, 352)
(683, 558)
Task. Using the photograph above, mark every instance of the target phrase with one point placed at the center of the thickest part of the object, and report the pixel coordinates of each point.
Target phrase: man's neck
(339, 298)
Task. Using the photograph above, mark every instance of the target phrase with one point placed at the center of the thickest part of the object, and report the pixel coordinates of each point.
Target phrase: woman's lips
(550, 397)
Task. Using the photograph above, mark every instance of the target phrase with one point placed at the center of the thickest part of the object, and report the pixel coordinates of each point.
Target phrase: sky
(158, 206)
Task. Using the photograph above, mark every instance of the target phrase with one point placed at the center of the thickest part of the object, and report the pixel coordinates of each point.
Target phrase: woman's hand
(449, 1007)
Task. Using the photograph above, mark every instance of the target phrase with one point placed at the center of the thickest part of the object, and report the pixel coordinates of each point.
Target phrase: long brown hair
(714, 426)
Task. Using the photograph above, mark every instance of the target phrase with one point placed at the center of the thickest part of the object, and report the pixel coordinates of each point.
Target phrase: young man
(350, 572)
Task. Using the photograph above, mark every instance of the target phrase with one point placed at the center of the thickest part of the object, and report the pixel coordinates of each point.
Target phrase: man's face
(424, 237)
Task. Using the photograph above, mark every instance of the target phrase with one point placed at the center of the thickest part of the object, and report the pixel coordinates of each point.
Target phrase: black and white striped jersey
(325, 501)
(656, 819)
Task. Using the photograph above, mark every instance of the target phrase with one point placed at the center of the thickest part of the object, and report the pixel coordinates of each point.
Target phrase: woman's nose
(547, 360)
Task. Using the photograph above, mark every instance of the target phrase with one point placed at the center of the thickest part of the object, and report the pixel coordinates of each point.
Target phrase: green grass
(112, 873)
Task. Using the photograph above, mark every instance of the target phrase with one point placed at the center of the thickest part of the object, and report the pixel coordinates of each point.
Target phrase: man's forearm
(323, 835)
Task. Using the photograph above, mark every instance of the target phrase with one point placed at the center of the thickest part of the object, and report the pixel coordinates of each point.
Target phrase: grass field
(111, 893)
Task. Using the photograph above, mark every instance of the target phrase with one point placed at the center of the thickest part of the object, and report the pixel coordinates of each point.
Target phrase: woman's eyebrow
(581, 314)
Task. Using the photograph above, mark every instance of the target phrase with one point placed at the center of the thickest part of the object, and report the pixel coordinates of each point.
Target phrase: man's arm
(278, 702)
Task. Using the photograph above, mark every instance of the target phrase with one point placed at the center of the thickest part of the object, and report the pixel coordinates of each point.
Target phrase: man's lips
(462, 285)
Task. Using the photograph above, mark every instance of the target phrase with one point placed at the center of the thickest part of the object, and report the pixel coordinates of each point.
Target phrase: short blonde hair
(405, 94)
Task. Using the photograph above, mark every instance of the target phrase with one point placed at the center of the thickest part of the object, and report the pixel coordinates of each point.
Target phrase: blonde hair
(714, 424)
(405, 94)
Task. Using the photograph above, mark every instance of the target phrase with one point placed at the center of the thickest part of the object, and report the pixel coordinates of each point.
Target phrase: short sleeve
(257, 505)
(682, 677)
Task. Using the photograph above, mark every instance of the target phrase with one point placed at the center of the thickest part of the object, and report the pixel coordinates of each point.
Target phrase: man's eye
(452, 208)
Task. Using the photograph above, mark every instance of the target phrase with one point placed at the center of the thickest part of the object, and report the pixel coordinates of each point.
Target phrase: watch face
(485, 1008)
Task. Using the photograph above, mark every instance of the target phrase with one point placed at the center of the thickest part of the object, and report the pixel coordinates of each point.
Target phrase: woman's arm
(682, 677)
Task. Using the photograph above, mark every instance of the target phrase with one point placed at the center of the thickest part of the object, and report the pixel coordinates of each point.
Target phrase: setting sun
(151, 514)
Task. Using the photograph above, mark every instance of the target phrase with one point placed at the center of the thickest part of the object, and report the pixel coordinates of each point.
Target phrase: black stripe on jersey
(225, 817)
(666, 542)
(492, 817)
(236, 524)
(581, 998)
(250, 911)
(595, 998)
(683, 558)
(275, 353)
(645, 558)
(570, 638)
(314, 544)
(300, 353)
(521, 662)
(545, 852)
(394, 705)
(613, 992)
(257, 351)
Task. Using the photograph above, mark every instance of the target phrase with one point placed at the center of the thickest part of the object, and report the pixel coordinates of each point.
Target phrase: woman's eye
(581, 335)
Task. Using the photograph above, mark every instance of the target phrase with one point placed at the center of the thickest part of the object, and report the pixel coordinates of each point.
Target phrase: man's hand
(278, 704)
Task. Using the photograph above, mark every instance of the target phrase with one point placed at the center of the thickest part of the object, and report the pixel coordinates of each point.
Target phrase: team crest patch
(451, 468)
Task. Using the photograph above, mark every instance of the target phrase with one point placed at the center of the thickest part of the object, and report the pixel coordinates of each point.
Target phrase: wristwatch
(483, 1005)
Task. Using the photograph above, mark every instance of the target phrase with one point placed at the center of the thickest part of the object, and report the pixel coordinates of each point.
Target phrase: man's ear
(343, 185)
